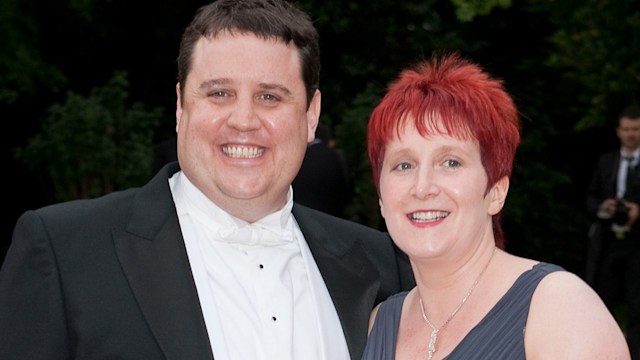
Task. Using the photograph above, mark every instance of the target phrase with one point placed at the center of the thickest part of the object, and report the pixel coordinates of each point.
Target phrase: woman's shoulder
(567, 319)
(561, 286)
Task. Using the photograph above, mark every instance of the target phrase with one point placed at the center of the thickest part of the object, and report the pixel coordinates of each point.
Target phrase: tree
(92, 145)
(22, 68)
(596, 47)
(570, 65)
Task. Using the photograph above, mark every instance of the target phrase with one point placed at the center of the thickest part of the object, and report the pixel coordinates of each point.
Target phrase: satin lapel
(634, 186)
(349, 277)
(154, 259)
(613, 173)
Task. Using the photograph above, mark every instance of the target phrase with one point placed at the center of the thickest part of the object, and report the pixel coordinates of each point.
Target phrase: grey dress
(499, 335)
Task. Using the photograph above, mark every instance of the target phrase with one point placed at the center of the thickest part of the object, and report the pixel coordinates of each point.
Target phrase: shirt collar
(273, 229)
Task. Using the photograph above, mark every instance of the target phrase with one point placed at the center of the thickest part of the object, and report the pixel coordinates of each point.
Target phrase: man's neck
(626, 151)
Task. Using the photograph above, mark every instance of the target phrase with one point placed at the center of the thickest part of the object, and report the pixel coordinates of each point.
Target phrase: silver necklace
(434, 330)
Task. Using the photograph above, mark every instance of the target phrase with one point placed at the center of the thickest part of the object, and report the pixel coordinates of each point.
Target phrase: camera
(621, 215)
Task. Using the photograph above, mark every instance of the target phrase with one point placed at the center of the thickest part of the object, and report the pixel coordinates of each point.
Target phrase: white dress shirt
(622, 171)
(261, 293)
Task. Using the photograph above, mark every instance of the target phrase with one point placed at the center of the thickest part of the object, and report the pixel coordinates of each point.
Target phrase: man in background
(613, 251)
(323, 181)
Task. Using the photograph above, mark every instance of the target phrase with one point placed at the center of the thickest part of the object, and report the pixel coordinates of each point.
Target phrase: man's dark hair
(268, 19)
(632, 112)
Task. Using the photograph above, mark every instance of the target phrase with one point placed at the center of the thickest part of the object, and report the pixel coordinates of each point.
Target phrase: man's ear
(498, 195)
(178, 106)
(313, 116)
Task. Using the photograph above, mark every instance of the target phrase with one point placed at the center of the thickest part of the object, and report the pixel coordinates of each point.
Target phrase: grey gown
(499, 335)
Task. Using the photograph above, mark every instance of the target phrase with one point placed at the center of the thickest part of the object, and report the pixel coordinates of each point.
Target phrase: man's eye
(219, 93)
(268, 97)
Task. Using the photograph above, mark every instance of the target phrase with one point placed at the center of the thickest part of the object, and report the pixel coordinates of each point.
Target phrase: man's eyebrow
(208, 84)
(276, 86)
(212, 83)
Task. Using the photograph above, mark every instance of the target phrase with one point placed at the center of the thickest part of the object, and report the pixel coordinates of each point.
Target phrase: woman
(441, 145)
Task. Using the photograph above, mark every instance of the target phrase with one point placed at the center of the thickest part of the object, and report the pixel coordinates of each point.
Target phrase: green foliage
(466, 10)
(351, 136)
(89, 146)
(539, 219)
(570, 65)
(83, 8)
(597, 49)
(22, 68)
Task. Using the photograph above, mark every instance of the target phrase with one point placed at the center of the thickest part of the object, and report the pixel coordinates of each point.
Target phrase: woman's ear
(498, 195)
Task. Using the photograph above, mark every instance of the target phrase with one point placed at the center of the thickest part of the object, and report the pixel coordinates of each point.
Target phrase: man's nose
(243, 116)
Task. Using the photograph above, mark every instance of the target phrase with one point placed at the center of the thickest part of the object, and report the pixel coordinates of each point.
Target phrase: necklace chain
(435, 330)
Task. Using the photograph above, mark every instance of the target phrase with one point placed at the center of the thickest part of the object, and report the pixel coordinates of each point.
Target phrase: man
(613, 198)
(323, 180)
(211, 257)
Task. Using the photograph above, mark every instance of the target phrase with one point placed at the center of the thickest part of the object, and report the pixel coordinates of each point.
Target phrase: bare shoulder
(567, 319)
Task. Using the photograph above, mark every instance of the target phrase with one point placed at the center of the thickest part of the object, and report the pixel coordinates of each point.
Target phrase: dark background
(571, 66)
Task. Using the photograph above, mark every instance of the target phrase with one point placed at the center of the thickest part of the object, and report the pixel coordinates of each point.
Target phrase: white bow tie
(272, 230)
(255, 234)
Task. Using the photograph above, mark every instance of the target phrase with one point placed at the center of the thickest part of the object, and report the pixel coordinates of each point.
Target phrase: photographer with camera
(613, 251)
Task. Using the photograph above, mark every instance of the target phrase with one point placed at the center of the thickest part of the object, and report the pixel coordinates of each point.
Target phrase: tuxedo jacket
(604, 183)
(109, 278)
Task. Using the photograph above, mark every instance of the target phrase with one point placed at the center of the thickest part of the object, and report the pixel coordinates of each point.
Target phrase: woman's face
(432, 193)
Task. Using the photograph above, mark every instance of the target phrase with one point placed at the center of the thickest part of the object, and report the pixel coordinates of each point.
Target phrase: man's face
(628, 132)
(243, 123)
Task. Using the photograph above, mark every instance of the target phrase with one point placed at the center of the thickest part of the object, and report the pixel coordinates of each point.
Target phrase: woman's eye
(452, 163)
(403, 166)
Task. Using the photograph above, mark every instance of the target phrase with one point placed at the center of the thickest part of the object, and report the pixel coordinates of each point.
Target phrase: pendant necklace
(434, 330)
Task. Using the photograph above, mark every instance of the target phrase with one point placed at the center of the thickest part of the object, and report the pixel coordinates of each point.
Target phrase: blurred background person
(164, 152)
(613, 248)
(323, 180)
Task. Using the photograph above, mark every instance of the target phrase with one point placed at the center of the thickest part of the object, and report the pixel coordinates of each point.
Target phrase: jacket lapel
(612, 171)
(154, 259)
(349, 277)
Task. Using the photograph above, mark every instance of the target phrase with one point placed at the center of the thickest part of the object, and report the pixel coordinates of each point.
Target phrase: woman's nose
(424, 185)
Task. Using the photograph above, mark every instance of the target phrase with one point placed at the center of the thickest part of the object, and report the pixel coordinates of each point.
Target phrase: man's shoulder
(607, 159)
(307, 214)
(94, 210)
(609, 154)
(113, 206)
